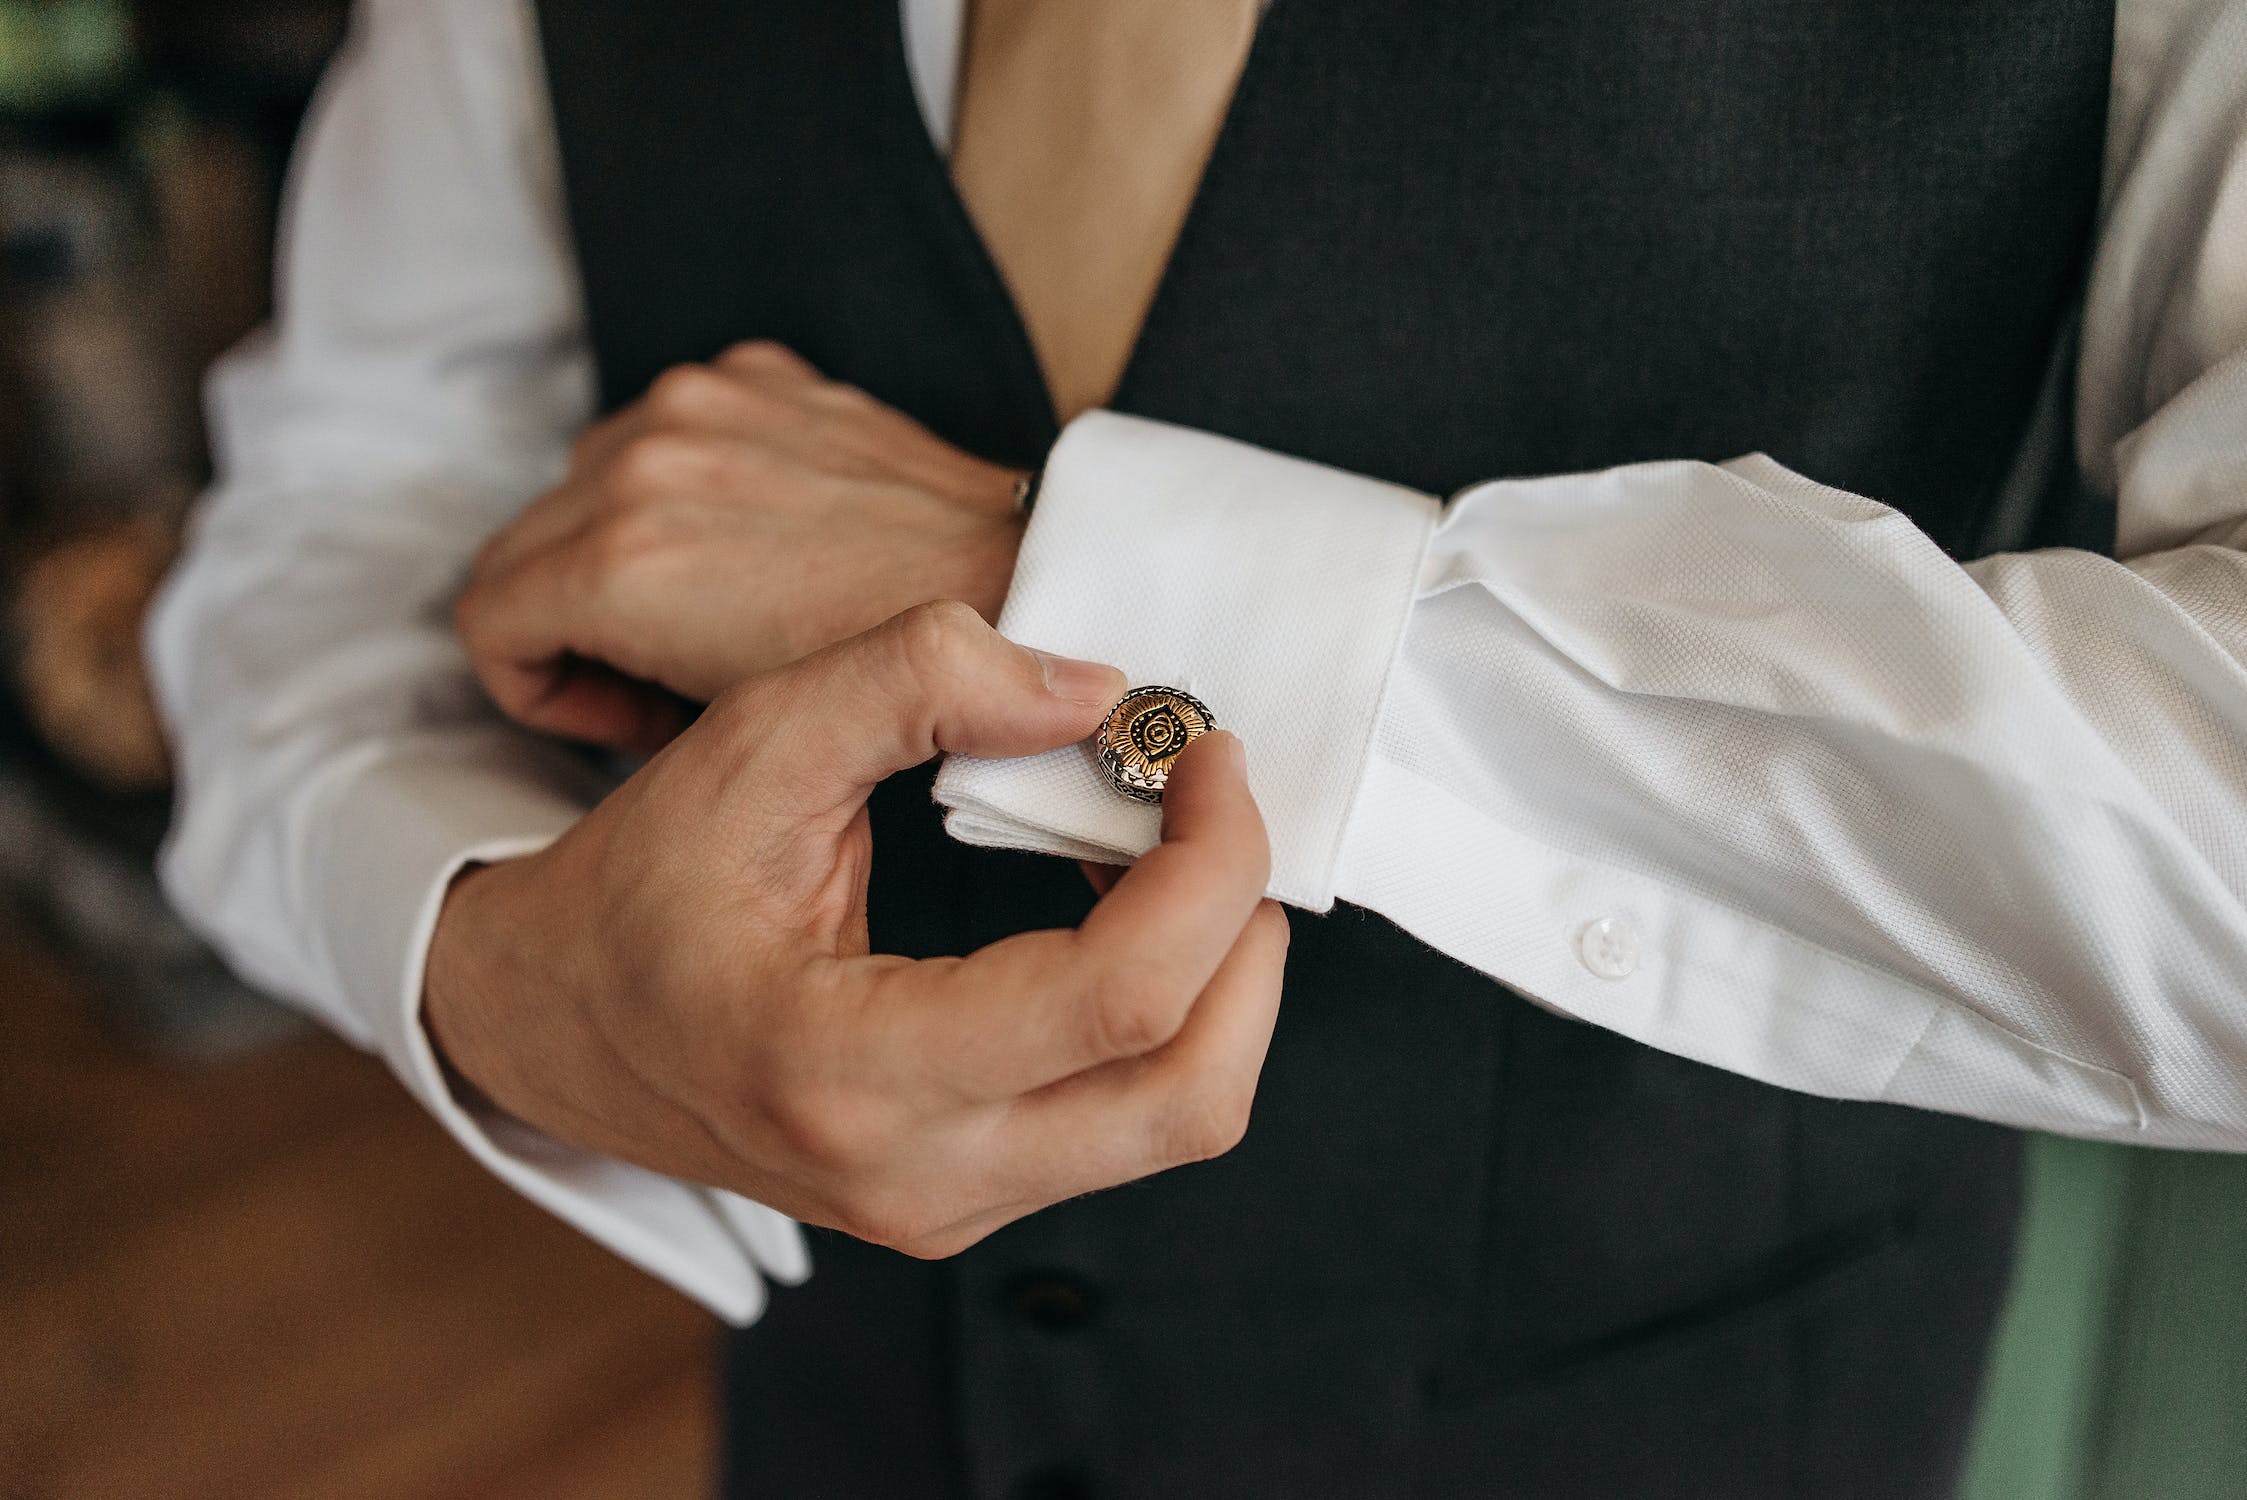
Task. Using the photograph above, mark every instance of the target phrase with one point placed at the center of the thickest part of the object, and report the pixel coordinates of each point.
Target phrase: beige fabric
(1084, 126)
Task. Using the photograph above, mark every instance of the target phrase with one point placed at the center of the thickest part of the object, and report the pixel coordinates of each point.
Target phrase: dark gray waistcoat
(1467, 1248)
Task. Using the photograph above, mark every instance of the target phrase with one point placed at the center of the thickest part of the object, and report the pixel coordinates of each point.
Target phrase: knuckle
(654, 464)
(765, 355)
(622, 542)
(941, 1246)
(841, 399)
(827, 1129)
(1208, 1122)
(948, 619)
(685, 391)
(1134, 1015)
(893, 1217)
(940, 636)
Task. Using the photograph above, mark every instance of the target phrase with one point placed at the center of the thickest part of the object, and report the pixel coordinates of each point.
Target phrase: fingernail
(1235, 751)
(1086, 682)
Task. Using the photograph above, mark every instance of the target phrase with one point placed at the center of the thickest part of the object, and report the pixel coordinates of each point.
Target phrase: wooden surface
(276, 1277)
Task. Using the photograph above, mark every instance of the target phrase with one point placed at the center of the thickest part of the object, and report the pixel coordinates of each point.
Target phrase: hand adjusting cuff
(1271, 590)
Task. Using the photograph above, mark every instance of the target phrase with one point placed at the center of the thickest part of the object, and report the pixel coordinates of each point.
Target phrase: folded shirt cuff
(407, 823)
(1273, 589)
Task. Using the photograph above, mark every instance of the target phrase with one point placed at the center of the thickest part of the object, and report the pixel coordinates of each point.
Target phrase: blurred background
(235, 1260)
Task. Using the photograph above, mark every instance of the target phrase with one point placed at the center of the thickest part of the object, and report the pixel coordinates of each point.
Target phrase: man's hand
(683, 979)
(739, 516)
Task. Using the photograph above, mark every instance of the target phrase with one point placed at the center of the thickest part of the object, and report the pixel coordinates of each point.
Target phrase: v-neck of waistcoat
(927, 177)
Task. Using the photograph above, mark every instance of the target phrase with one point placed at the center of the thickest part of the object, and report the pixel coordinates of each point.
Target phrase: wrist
(457, 991)
(986, 568)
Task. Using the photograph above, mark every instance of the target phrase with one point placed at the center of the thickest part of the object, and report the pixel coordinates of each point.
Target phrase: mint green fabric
(2121, 1367)
(54, 51)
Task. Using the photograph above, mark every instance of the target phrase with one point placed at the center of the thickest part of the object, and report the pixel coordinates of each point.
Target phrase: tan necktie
(1083, 129)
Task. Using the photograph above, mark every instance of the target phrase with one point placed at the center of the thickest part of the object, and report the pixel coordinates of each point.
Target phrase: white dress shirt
(1734, 764)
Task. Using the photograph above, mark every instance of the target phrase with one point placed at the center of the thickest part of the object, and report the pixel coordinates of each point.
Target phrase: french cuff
(407, 823)
(1272, 589)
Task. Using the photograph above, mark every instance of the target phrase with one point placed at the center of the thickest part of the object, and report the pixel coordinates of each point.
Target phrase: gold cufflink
(1145, 733)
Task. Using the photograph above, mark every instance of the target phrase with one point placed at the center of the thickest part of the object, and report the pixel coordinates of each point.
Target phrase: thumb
(935, 678)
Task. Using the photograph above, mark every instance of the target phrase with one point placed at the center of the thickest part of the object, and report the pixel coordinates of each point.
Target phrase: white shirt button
(1608, 947)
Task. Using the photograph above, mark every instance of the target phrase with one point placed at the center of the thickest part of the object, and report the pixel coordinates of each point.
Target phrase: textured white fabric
(1304, 693)
(429, 368)
(338, 763)
(1869, 824)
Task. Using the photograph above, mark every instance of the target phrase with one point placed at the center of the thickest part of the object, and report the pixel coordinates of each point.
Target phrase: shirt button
(1608, 948)
(1052, 1300)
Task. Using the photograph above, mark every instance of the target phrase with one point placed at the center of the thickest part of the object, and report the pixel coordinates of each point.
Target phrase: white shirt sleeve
(1735, 764)
(338, 763)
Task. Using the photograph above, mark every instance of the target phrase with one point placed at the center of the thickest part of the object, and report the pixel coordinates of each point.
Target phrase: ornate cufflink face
(1145, 733)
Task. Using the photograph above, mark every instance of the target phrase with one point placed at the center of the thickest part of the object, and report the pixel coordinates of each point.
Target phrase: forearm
(1747, 768)
(1738, 765)
(1880, 831)
(338, 767)
(334, 756)
(338, 763)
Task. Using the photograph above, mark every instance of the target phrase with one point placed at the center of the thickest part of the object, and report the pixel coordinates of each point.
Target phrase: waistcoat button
(1054, 1482)
(1052, 1300)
